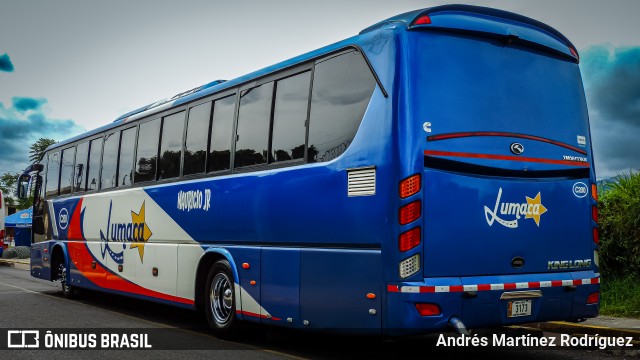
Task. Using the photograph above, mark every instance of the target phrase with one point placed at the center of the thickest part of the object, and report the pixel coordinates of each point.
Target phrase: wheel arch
(59, 254)
(208, 258)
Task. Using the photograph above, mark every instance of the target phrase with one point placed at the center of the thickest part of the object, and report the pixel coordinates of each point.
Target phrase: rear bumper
(477, 300)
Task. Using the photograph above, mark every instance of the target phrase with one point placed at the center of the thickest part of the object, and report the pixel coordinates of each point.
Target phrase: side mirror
(24, 182)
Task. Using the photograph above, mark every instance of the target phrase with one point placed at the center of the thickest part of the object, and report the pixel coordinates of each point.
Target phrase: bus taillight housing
(410, 212)
(409, 239)
(410, 186)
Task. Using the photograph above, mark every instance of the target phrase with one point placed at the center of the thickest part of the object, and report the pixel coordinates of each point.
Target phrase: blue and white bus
(432, 173)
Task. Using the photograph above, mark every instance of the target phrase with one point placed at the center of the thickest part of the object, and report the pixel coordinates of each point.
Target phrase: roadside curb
(588, 329)
(16, 263)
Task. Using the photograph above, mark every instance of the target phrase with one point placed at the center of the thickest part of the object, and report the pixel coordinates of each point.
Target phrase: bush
(619, 222)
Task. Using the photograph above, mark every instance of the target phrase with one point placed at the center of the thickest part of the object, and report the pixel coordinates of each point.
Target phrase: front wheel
(221, 300)
(67, 290)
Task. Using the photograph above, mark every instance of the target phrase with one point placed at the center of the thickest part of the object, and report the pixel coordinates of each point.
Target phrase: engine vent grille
(361, 181)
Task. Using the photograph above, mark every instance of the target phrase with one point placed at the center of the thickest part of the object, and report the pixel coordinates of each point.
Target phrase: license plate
(519, 308)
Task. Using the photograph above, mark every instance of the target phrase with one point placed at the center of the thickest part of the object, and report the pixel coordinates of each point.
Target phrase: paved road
(28, 303)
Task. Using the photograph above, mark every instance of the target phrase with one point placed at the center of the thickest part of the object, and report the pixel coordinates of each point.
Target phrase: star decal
(536, 210)
(141, 231)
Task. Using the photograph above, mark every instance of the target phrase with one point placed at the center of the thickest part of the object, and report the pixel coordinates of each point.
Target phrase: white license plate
(519, 308)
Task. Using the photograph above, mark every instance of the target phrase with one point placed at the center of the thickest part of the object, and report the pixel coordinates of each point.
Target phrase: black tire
(220, 300)
(67, 290)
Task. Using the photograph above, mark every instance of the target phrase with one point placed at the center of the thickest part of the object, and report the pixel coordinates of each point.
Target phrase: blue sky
(72, 65)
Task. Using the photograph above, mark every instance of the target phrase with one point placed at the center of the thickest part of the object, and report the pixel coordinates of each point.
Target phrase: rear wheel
(221, 300)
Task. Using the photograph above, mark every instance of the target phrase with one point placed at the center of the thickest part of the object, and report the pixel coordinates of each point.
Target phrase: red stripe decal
(504, 134)
(577, 282)
(505, 157)
(75, 227)
(534, 284)
(484, 287)
(393, 288)
(101, 277)
(556, 283)
(248, 313)
(509, 286)
(456, 288)
(427, 289)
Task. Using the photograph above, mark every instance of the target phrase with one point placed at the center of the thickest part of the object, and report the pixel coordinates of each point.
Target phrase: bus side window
(195, 149)
(93, 173)
(125, 163)
(342, 87)
(53, 174)
(147, 151)
(254, 116)
(221, 129)
(290, 117)
(80, 170)
(108, 177)
(171, 146)
(66, 173)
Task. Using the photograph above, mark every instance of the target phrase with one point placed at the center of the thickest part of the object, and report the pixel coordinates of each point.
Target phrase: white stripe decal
(489, 287)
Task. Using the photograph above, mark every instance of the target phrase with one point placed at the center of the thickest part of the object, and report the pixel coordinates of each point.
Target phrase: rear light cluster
(426, 309)
(407, 214)
(594, 214)
(593, 298)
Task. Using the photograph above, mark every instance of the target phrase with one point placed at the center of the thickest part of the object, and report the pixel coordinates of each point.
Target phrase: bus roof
(446, 17)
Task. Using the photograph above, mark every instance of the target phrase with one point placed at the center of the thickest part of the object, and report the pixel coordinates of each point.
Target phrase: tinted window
(95, 153)
(253, 126)
(171, 146)
(221, 129)
(195, 151)
(53, 173)
(110, 161)
(147, 153)
(66, 173)
(289, 117)
(125, 164)
(342, 87)
(82, 155)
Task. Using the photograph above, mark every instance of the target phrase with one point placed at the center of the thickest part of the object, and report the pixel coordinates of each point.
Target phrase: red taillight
(410, 186)
(409, 239)
(594, 213)
(423, 20)
(428, 309)
(593, 298)
(409, 213)
(594, 192)
(596, 236)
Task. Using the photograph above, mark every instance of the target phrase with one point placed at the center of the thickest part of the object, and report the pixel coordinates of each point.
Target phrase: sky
(68, 66)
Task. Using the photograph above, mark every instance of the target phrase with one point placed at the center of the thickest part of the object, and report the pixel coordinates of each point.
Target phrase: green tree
(8, 182)
(36, 150)
(619, 222)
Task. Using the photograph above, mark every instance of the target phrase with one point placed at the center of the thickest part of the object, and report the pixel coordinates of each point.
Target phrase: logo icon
(63, 218)
(580, 189)
(20, 339)
(136, 232)
(516, 148)
(531, 209)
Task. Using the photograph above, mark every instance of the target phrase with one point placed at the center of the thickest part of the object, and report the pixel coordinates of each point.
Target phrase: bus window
(53, 174)
(342, 87)
(289, 117)
(109, 161)
(66, 173)
(147, 153)
(221, 128)
(80, 170)
(171, 146)
(253, 126)
(93, 173)
(195, 150)
(125, 163)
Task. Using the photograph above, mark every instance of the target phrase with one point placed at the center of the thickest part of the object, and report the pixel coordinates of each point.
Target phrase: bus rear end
(503, 225)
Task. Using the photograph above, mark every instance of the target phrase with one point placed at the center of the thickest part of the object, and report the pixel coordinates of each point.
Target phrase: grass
(620, 297)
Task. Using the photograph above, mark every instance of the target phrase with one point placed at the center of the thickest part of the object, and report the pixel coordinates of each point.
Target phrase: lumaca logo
(531, 209)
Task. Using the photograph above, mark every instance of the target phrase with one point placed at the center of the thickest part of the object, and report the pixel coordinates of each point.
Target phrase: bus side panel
(39, 267)
(188, 258)
(247, 260)
(280, 286)
(335, 284)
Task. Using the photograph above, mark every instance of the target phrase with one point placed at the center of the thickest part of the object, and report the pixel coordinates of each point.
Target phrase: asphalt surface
(29, 303)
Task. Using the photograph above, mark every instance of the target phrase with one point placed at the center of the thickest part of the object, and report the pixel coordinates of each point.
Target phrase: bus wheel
(67, 290)
(221, 300)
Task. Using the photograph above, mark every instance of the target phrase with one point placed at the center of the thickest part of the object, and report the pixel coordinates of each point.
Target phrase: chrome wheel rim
(63, 277)
(221, 298)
